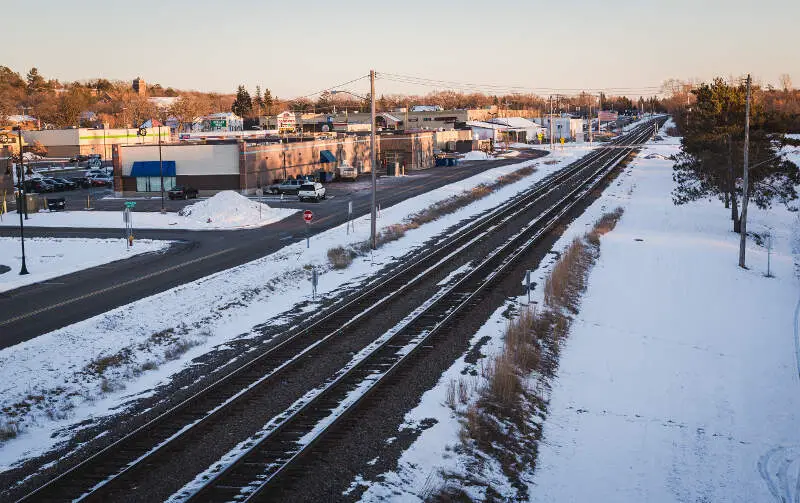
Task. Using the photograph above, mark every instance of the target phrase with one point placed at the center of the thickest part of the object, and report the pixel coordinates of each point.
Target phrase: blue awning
(327, 156)
(152, 168)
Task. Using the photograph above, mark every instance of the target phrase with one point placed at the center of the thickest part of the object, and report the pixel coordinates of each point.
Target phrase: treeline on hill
(84, 103)
(711, 119)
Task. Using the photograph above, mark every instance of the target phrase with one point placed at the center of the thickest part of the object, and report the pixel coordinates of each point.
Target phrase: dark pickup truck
(182, 192)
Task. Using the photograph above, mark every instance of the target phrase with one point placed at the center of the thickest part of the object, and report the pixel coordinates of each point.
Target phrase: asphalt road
(40, 308)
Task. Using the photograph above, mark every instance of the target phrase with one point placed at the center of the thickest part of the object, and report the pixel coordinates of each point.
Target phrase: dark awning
(327, 156)
(152, 168)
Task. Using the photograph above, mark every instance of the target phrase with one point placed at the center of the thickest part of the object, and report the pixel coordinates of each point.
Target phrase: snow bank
(228, 209)
(476, 155)
(52, 257)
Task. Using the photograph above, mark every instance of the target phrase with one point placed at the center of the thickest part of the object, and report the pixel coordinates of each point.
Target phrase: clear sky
(298, 47)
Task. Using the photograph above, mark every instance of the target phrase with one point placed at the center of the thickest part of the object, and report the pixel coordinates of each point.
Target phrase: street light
(373, 237)
(21, 200)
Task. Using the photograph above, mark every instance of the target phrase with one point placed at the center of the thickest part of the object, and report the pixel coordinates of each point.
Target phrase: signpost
(307, 216)
(350, 217)
(127, 217)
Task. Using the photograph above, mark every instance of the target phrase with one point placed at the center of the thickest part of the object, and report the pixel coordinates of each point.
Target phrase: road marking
(113, 287)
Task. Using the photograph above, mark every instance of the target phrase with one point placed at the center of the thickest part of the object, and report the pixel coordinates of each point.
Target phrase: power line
(332, 87)
(428, 82)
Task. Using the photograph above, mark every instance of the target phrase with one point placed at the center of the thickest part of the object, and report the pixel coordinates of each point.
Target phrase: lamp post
(21, 201)
(373, 238)
(161, 169)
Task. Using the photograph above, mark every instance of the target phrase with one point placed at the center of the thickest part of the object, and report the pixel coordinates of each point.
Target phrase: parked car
(37, 185)
(286, 187)
(57, 186)
(182, 192)
(69, 184)
(95, 172)
(100, 181)
(82, 182)
(310, 191)
(79, 158)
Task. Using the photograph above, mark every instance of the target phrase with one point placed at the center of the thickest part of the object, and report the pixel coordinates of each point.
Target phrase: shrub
(340, 257)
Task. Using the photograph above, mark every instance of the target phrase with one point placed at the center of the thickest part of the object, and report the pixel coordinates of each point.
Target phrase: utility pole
(22, 201)
(550, 123)
(373, 238)
(745, 179)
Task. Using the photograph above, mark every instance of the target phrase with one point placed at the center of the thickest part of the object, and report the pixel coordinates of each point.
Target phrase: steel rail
(276, 462)
(137, 455)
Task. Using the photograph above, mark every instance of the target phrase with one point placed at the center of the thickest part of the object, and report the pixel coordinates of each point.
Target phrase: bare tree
(785, 82)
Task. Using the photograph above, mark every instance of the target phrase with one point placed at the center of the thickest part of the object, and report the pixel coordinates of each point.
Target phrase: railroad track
(297, 434)
(90, 478)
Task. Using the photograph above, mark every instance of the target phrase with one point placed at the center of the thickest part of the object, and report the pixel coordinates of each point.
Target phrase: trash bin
(56, 204)
(390, 168)
(31, 203)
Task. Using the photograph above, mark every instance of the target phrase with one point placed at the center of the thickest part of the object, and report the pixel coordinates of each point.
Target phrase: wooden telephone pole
(745, 179)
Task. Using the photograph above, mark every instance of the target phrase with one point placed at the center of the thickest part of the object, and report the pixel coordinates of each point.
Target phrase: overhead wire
(510, 89)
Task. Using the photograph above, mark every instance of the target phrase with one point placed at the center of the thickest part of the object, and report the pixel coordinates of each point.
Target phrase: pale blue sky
(298, 47)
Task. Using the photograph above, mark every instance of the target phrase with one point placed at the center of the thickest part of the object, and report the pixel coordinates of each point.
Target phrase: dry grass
(340, 257)
(500, 422)
(437, 210)
(8, 430)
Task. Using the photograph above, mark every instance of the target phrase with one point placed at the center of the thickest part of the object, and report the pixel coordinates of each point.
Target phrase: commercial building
(247, 165)
(75, 141)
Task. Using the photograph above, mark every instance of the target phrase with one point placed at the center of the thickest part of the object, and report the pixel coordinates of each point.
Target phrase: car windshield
(307, 187)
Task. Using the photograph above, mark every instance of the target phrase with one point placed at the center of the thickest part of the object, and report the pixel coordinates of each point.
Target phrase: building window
(153, 183)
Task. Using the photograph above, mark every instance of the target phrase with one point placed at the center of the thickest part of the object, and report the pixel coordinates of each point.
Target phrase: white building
(487, 131)
(563, 127)
(223, 121)
(519, 129)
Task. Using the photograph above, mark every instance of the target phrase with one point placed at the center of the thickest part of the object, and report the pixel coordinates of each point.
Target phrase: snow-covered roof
(390, 117)
(163, 101)
(486, 125)
(426, 108)
(16, 119)
(515, 122)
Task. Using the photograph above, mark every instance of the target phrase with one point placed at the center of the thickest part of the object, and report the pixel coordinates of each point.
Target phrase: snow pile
(225, 211)
(476, 155)
(230, 209)
(51, 257)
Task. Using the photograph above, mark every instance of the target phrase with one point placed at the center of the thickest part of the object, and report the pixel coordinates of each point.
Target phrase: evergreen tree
(242, 105)
(268, 101)
(710, 162)
(35, 81)
(258, 102)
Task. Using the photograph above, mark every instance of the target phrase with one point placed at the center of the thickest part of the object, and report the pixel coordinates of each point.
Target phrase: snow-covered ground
(435, 458)
(47, 258)
(679, 381)
(203, 314)
(225, 210)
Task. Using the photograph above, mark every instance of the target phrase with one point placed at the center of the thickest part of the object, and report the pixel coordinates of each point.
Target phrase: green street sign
(130, 204)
